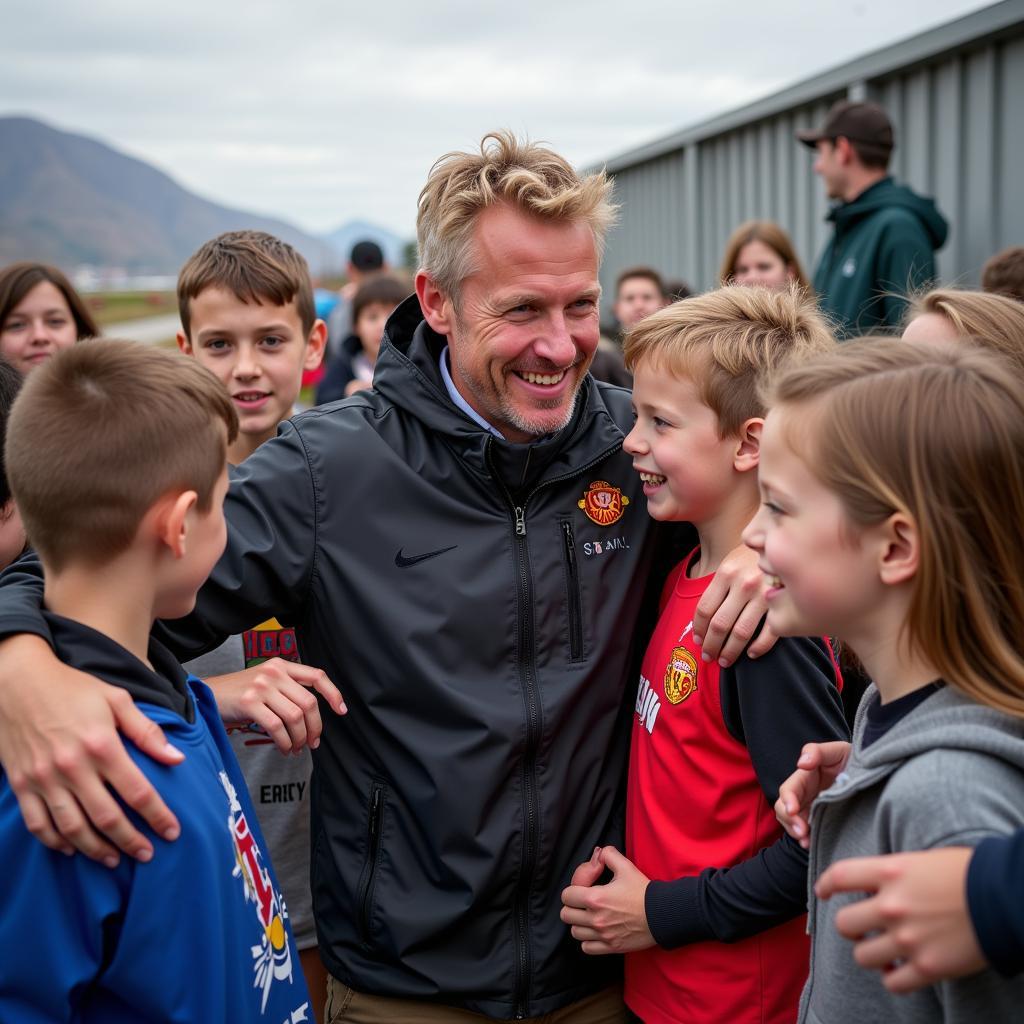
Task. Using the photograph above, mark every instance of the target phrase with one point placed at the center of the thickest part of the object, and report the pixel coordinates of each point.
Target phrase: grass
(116, 307)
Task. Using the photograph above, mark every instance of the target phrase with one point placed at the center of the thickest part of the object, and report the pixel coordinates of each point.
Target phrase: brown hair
(100, 432)
(525, 175)
(255, 267)
(991, 321)
(647, 273)
(730, 342)
(18, 279)
(1004, 273)
(382, 288)
(770, 234)
(935, 432)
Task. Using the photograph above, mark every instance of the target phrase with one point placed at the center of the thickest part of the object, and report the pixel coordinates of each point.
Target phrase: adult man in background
(464, 550)
(885, 235)
(639, 291)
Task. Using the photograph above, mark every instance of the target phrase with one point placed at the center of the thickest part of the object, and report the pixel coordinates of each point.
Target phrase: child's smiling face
(822, 570)
(687, 468)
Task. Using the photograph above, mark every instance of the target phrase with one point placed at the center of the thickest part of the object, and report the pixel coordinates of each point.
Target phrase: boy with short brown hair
(246, 304)
(201, 932)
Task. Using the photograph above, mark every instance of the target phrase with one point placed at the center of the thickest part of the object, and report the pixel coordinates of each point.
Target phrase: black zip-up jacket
(477, 603)
(480, 625)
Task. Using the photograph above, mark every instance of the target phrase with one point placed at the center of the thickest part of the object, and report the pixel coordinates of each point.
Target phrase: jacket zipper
(572, 583)
(528, 682)
(373, 837)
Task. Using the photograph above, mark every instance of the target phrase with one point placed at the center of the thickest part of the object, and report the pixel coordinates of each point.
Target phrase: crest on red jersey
(680, 676)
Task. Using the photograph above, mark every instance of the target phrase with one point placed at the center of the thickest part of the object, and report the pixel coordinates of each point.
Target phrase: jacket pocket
(574, 601)
(368, 878)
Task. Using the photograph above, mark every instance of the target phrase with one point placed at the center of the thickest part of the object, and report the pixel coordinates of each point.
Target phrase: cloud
(325, 112)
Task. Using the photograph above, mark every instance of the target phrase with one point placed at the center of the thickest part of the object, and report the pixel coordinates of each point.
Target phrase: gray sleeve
(951, 797)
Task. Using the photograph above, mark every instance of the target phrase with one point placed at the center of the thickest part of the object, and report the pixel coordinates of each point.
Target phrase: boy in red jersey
(708, 906)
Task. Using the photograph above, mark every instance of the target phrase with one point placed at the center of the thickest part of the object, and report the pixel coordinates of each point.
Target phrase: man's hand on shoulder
(278, 696)
(729, 612)
(60, 748)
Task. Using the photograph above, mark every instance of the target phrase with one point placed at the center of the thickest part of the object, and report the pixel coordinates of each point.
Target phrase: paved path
(150, 330)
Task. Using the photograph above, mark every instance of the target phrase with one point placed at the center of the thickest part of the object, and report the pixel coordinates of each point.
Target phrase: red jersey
(695, 802)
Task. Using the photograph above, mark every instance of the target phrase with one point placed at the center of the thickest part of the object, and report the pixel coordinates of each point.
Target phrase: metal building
(956, 98)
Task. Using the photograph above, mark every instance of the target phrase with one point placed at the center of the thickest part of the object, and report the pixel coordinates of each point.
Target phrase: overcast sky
(330, 111)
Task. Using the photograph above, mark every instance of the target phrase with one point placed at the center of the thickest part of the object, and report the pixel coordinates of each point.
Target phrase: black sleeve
(272, 509)
(995, 898)
(21, 598)
(774, 705)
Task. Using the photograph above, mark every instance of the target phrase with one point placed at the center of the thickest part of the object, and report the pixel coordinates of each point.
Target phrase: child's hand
(915, 926)
(278, 696)
(608, 918)
(816, 770)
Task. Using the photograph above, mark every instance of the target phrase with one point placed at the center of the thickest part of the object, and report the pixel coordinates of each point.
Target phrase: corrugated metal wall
(959, 119)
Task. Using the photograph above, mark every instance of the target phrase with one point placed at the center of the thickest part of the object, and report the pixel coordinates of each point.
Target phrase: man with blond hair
(463, 548)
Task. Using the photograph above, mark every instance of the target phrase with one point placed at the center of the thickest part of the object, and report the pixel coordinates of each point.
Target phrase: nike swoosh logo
(404, 561)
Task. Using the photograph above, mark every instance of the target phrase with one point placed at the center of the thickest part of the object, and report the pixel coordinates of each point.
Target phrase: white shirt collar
(456, 397)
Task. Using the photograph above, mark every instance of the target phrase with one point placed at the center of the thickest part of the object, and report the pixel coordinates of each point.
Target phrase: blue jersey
(199, 934)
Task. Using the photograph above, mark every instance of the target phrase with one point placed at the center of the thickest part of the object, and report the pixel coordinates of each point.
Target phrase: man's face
(828, 164)
(637, 297)
(527, 323)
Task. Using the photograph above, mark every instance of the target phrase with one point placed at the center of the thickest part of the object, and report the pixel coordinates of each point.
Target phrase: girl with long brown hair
(892, 483)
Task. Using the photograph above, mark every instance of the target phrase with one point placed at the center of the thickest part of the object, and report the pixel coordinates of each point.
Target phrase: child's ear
(172, 521)
(901, 550)
(748, 446)
(436, 306)
(315, 346)
(183, 343)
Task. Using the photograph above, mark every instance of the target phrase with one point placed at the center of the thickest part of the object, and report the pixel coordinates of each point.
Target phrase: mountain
(342, 239)
(71, 200)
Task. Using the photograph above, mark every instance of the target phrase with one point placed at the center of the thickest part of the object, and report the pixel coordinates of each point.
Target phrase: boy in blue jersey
(116, 456)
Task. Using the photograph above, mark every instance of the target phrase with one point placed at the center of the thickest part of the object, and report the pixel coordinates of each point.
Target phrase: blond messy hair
(935, 432)
(992, 321)
(525, 175)
(730, 342)
(100, 432)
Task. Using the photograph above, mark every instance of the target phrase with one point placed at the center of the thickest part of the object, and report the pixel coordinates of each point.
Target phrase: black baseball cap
(867, 123)
(366, 255)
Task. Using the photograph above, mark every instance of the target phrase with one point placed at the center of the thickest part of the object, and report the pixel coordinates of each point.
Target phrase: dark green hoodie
(883, 248)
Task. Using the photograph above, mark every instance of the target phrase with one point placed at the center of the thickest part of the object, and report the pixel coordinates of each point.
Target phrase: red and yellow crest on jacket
(603, 503)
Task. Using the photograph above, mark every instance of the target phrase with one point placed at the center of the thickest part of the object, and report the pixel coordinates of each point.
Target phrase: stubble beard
(501, 410)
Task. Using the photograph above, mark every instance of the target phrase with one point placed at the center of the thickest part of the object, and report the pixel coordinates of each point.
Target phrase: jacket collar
(84, 648)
